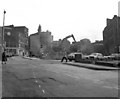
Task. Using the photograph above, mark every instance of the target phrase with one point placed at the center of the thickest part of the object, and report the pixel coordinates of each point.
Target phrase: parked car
(98, 56)
(115, 56)
(71, 56)
(109, 57)
(106, 57)
(85, 57)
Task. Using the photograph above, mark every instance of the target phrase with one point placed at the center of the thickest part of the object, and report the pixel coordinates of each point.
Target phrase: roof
(20, 27)
(34, 34)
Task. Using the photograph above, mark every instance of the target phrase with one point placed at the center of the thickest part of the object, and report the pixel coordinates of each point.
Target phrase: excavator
(69, 37)
(64, 48)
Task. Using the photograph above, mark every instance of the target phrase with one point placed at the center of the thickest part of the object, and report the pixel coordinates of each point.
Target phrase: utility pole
(3, 42)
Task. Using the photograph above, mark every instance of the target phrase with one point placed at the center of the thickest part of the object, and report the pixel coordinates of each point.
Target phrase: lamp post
(3, 43)
(9, 34)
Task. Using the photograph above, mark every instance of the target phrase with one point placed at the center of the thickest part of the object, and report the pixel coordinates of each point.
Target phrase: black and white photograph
(61, 49)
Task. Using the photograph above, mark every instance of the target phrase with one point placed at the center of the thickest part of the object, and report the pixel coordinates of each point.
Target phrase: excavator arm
(73, 38)
(69, 37)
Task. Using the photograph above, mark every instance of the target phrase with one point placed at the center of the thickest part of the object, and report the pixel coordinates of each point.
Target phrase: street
(50, 78)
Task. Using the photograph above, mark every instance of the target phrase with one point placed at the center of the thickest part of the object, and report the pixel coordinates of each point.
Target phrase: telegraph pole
(3, 43)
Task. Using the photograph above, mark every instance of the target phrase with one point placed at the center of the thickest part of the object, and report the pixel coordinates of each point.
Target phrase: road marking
(36, 81)
(39, 86)
(43, 91)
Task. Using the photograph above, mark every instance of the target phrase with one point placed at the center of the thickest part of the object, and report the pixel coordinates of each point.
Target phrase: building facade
(22, 34)
(56, 43)
(16, 39)
(0, 43)
(0, 36)
(34, 44)
(45, 37)
(111, 35)
(39, 41)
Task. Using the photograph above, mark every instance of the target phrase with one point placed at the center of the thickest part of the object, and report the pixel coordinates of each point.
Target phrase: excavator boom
(73, 38)
(66, 39)
(69, 37)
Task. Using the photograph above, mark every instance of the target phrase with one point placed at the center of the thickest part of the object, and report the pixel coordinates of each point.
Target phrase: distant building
(45, 38)
(34, 44)
(0, 42)
(64, 44)
(56, 43)
(39, 41)
(16, 39)
(0, 36)
(22, 33)
(111, 35)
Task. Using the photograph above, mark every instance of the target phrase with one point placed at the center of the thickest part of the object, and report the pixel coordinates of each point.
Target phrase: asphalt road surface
(50, 78)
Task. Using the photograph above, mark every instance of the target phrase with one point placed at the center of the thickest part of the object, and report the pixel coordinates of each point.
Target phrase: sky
(82, 18)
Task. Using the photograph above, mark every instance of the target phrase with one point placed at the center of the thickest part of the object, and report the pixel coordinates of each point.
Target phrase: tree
(99, 47)
(85, 46)
(73, 48)
(57, 48)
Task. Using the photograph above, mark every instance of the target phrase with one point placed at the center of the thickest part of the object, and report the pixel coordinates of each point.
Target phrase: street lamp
(9, 34)
(3, 46)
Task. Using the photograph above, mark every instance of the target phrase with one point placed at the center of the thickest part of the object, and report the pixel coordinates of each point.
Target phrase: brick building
(16, 39)
(39, 41)
(111, 35)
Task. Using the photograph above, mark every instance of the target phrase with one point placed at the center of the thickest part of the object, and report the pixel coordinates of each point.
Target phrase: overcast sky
(83, 18)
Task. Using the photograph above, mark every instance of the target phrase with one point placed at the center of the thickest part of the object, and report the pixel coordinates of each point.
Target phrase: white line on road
(36, 81)
(43, 91)
(39, 86)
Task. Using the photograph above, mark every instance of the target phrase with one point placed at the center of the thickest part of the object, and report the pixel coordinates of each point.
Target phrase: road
(50, 78)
